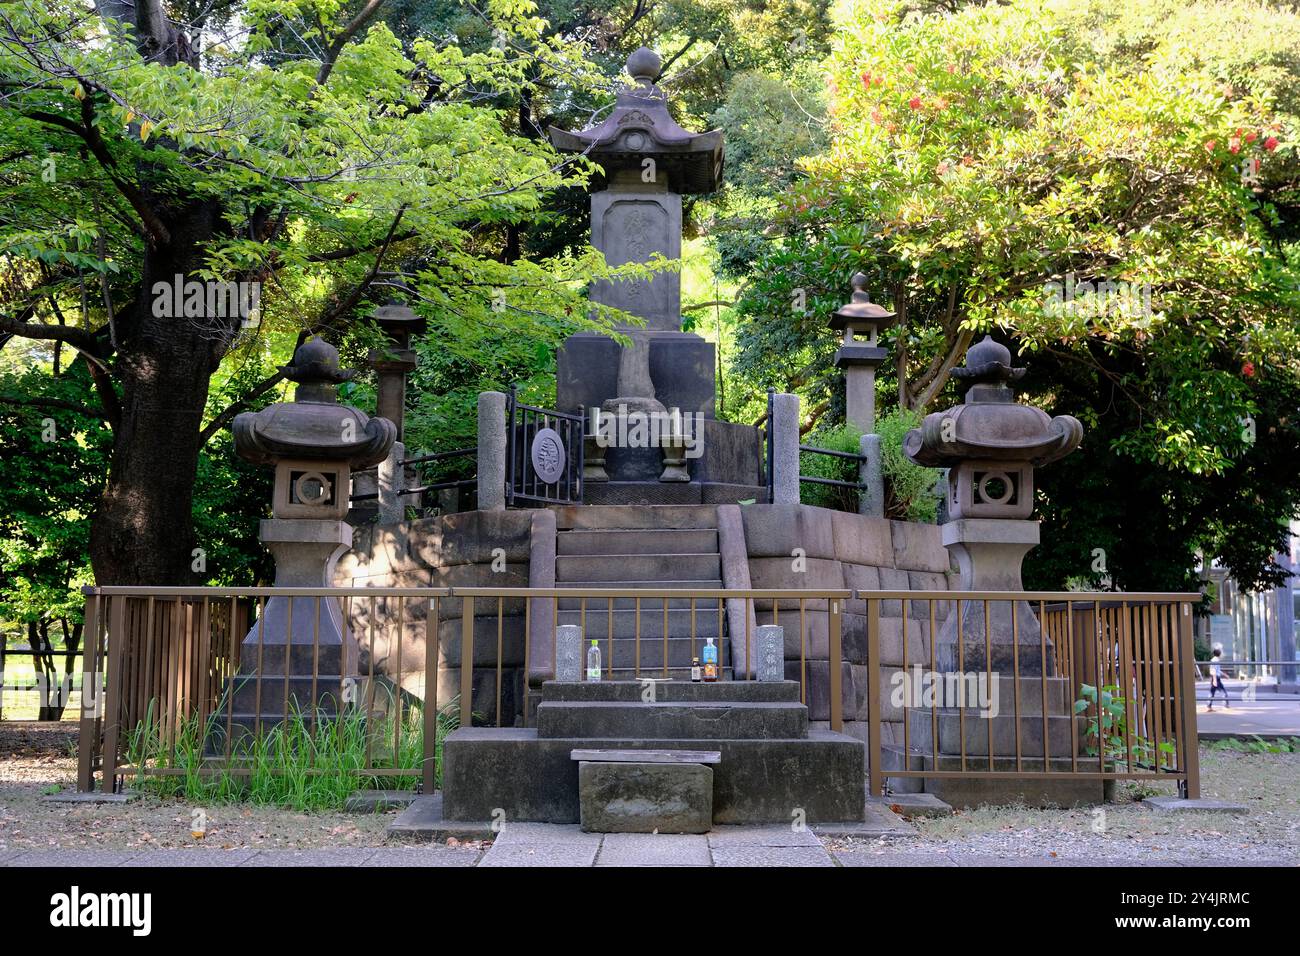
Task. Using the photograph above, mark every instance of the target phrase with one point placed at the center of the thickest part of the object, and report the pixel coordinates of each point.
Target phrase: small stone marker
(568, 652)
(770, 662)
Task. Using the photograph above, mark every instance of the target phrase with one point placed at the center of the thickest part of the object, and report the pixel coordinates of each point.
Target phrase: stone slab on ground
(94, 796)
(178, 857)
(376, 801)
(722, 837)
(753, 855)
(758, 781)
(540, 854)
(645, 797)
(880, 823)
(661, 849)
(909, 805)
(422, 822)
(1168, 804)
(529, 834)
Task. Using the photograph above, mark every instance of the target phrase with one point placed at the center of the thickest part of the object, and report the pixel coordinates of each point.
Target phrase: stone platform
(773, 769)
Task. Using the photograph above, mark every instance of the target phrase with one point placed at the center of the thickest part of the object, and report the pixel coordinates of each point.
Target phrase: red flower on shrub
(1270, 144)
(1248, 370)
(915, 102)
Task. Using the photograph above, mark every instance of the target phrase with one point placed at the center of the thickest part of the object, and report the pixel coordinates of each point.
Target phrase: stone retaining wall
(836, 549)
(457, 550)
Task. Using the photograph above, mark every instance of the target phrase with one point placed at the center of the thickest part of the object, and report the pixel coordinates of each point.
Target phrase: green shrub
(909, 488)
(842, 438)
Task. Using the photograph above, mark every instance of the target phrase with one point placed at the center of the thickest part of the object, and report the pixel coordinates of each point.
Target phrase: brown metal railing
(1102, 686)
(169, 659)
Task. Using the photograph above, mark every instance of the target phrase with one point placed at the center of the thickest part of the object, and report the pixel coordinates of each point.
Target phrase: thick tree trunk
(142, 532)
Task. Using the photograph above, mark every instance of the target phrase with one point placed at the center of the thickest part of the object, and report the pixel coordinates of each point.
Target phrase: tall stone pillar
(395, 363)
(785, 449)
(491, 451)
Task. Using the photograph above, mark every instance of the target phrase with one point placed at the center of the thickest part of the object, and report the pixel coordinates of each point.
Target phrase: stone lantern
(860, 321)
(395, 363)
(991, 445)
(313, 443)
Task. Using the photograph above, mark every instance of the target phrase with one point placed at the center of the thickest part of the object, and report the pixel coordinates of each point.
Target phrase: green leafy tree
(990, 162)
(297, 145)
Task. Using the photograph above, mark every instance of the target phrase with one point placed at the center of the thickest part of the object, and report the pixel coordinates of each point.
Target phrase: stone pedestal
(989, 553)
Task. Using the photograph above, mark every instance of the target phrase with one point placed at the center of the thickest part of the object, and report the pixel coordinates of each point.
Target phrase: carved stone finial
(988, 361)
(644, 66)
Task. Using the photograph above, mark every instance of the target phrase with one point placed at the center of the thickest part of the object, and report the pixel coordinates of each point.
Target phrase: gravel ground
(1128, 832)
(36, 758)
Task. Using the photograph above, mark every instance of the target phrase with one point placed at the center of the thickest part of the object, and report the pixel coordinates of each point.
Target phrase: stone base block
(645, 797)
(819, 778)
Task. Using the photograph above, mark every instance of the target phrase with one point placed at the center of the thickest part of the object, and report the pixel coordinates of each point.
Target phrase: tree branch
(340, 41)
(227, 414)
(38, 401)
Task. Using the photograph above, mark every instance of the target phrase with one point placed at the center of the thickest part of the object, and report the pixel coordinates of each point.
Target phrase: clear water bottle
(593, 662)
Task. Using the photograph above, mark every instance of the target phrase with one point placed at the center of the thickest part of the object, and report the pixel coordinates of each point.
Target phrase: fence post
(430, 766)
(491, 451)
(834, 623)
(116, 652)
(89, 678)
(467, 662)
(876, 779)
(391, 479)
(872, 500)
(784, 424)
(1191, 788)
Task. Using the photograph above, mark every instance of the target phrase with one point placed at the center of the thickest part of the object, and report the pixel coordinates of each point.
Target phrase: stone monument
(313, 443)
(664, 376)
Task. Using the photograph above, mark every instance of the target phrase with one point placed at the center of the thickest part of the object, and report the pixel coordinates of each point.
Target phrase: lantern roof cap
(860, 310)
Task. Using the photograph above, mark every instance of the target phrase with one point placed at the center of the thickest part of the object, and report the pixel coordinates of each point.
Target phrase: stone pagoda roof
(640, 127)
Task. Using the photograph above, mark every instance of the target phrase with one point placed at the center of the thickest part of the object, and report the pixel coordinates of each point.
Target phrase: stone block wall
(470, 549)
(805, 547)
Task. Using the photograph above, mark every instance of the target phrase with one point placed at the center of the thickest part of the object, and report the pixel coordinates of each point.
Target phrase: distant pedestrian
(1216, 679)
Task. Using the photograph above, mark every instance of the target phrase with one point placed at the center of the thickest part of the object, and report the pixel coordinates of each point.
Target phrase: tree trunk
(142, 532)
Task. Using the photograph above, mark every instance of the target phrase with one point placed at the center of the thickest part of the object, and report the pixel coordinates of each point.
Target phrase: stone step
(683, 720)
(535, 779)
(680, 674)
(635, 517)
(597, 624)
(630, 691)
(649, 605)
(646, 541)
(680, 652)
(648, 568)
(975, 730)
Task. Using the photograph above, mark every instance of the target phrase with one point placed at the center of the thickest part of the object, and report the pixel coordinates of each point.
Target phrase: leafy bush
(844, 438)
(909, 487)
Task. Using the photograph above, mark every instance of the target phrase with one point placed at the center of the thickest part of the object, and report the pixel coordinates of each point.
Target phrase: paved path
(540, 844)
(1264, 715)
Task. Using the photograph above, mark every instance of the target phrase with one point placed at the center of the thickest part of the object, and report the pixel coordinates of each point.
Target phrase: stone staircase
(643, 547)
(773, 767)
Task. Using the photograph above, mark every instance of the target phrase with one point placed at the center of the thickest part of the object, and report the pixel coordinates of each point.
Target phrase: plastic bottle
(593, 662)
(710, 660)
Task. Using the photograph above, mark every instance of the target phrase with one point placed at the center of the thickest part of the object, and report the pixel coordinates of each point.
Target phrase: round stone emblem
(548, 455)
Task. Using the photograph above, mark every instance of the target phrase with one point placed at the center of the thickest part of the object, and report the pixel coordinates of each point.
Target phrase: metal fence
(1109, 679)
